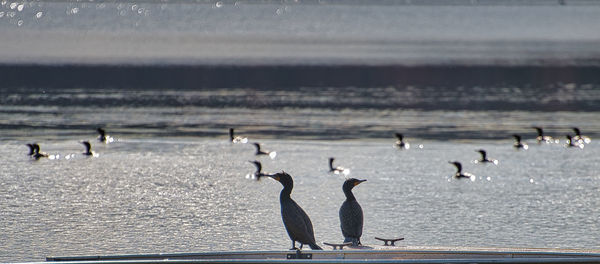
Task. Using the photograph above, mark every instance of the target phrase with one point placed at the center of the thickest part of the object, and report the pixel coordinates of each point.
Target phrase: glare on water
(184, 195)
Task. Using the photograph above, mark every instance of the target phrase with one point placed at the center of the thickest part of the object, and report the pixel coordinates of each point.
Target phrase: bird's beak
(273, 176)
(359, 182)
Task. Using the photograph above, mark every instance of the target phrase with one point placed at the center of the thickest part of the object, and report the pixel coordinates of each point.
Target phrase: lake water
(309, 80)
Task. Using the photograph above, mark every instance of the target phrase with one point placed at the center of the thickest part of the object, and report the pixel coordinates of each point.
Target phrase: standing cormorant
(459, 174)
(351, 214)
(296, 221)
(400, 142)
(259, 151)
(518, 144)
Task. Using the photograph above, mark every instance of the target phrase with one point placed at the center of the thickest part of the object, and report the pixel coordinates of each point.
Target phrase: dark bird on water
(101, 135)
(337, 170)
(37, 154)
(88, 148)
(579, 138)
(484, 158)
(518, 144)
(400, 142)
(258, 173)
(236, 139)
(259, 151)
(296, 221)
(540, 136)
(459, 174)
(351, 214)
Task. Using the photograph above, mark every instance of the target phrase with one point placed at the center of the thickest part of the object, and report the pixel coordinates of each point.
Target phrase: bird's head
(350, 183)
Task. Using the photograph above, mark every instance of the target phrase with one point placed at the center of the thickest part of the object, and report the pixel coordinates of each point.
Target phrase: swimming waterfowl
(518, 144)
(296, 221)
(258, 173)
(102, 134)
(540, 136)
(37, 153)
(351, 214)
(259, 151)
(571, 142)
(459, 174)
(484, 158)
(88, 148)
(236, 139)
(578, 137)
(400, 142)
(337, 170)
(103, 137)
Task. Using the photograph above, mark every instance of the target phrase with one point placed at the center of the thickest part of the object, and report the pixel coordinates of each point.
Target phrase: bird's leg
(301, 245)
(294, 245)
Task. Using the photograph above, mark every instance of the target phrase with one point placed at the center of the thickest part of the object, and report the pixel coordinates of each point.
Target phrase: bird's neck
(286, 192)
(349, 194)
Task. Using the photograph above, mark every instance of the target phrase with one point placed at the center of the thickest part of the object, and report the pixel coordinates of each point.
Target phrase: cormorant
(459, 174)
(88, 148)
(296, 221)
(236, 139)
(518, 144)
(571, 142)
(400, 142)
(102, 135)
(37, 153)
(541, 138)
(337, 170)
(351, 215)
(259, 151)
(578, 137)
(484, 158)
(258, 173)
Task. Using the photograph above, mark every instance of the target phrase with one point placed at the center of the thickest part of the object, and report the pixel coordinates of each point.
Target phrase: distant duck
(484, 158)
(400, 142)
(337, 170)
(236, 139)
(258, 173)
(88, 148)
(572, 143)
(259, 151)
(103, 137)
(541, 138)
(37, 153)
(459, 174)
(518, 144)
(578, 137)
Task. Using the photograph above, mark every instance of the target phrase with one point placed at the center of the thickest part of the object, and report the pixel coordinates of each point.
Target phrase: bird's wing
(297, 223)
(351, 219)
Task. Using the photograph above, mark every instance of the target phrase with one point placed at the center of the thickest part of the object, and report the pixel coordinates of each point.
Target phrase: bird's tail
(314, 246)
